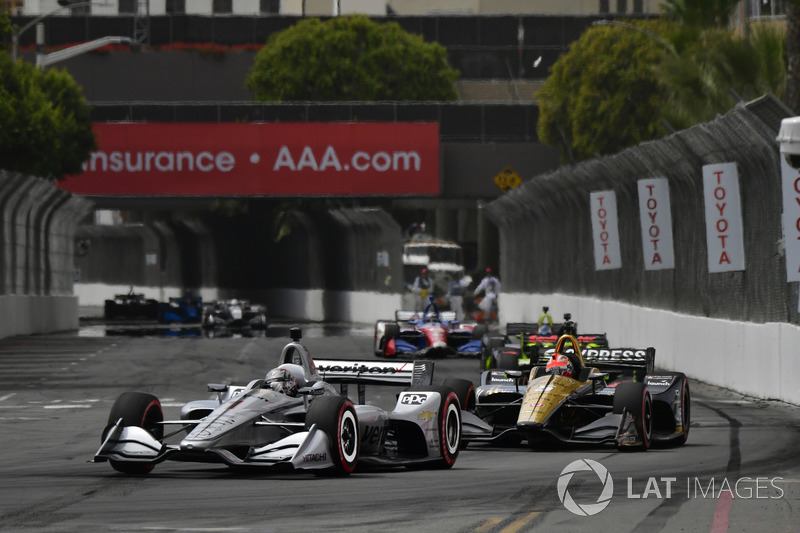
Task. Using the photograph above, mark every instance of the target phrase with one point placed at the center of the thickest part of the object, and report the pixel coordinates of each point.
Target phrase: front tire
(336, 416)
(136, 409)
(449, 424)
(635, 398)
(686, 415)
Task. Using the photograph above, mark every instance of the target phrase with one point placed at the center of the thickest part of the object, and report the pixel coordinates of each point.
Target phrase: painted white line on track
(68, 406)
(7, 396)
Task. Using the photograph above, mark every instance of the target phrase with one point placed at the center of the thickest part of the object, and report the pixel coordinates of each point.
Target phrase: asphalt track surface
(739, 471)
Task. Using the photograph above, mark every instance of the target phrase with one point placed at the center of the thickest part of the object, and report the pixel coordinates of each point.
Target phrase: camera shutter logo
(588, 509)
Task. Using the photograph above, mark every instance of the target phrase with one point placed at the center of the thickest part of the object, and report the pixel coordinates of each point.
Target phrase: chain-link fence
(547, 241)
(37, 226)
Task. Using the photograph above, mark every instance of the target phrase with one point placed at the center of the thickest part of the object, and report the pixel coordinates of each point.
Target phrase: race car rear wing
(409, 373)
(413, 316)
(607, 359)
(376, 372)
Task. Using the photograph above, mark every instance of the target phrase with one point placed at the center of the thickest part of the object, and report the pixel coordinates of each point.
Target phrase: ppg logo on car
(413, 399)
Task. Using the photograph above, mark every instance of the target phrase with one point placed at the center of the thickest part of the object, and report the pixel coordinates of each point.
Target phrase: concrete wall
(37, 228)
(755, 359)
(25, 314)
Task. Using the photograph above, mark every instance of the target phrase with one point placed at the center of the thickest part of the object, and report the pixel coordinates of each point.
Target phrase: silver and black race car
(234, 314)
(296, 419)
(594, 396)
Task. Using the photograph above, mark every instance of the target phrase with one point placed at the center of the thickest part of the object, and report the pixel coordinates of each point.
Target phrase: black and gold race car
(580, 396)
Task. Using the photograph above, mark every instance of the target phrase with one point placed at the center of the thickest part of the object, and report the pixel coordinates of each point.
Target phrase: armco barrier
(755, 359)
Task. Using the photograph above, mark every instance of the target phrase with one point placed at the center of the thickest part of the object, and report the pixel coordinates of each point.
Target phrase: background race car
(234, 314)
(130, 305)
(606, 396)
(186, 309)
(524, 341)
(294, 418)
(429, 334)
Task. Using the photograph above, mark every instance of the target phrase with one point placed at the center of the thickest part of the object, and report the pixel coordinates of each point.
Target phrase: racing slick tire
(449, 423)
(136, 409)
(391, 331)
(686, 415)
(465, 391)
(336, 416)
(635, 398)
(109, 310)
(380, 343)
(487, 356)
(479, 331)
(507, 361)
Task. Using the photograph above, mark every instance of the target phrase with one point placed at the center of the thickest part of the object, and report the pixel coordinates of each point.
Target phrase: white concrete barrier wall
(301, 304)
(344, 306)
(95, 294)
(755, 359)
(31, 315)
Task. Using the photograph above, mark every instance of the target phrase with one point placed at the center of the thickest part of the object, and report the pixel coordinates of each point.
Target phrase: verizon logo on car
(263, 159)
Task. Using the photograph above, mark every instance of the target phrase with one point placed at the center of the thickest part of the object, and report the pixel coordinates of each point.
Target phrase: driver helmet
(545, 330)
(560, 364)
(279, 380)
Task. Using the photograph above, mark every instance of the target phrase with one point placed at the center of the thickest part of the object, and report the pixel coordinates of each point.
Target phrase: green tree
(792, 95)
(348, 59)
(702, 13)
(46, 130)
(716, 66)
(603, 95)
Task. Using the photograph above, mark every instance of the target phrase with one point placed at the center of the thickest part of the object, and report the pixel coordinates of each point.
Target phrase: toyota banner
(262, 159)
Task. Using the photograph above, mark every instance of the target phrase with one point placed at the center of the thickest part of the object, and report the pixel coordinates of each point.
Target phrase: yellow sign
(507, 179)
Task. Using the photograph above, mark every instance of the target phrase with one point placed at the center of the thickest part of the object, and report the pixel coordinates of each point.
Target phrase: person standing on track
(489, 285)
(422, 287)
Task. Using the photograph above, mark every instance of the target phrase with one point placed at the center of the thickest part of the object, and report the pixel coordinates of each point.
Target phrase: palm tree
(792, 95)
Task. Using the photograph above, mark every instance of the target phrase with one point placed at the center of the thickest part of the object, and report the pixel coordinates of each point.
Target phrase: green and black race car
(525, 342)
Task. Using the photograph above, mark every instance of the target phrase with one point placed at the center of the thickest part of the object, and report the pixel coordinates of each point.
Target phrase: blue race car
(429, 334)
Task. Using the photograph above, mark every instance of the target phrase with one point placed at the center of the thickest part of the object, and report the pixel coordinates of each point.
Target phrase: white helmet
(279, 380)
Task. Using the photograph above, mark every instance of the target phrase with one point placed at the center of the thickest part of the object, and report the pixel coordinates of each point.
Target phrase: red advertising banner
(290, 159)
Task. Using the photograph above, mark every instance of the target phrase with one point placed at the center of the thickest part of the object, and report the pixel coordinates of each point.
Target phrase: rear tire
(507, 361)
(479, 331)
(637, 400)
(465, 391)
(488, 361)
(136, 409)
(336, 416)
